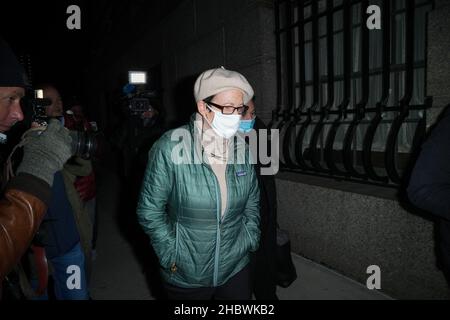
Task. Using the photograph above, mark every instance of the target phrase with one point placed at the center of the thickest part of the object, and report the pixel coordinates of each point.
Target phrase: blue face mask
(246, 126)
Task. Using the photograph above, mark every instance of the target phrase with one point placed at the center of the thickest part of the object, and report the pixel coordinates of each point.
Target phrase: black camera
(84, 144)
(138, 105)
(136, 95)
(38, 104)
(140, 102)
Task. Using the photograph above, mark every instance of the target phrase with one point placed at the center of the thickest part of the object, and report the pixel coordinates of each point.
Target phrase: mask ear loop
(203, 122)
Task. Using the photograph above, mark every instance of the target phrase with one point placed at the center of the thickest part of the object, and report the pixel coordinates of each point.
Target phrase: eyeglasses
(229, 109)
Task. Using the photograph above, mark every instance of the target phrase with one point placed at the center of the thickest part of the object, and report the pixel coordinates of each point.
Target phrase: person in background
(263, 261)
(429, 185)
(75, 119)
(66, 232)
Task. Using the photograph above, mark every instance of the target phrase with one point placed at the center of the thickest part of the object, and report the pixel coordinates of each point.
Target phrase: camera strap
(8, 169)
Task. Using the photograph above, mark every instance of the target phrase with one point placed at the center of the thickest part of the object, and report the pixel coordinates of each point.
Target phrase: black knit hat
(12, 74)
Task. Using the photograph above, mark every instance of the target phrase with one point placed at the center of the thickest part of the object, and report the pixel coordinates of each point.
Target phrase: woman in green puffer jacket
(199, 201)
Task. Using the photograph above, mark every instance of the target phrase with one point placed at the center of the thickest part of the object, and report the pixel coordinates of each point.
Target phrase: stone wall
(349, 232)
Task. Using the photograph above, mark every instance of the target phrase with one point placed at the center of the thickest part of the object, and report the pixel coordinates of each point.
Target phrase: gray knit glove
(44, 154)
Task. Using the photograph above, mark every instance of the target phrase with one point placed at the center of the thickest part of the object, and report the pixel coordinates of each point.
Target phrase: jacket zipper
(216, 255)
(219, 220)
(228, 194)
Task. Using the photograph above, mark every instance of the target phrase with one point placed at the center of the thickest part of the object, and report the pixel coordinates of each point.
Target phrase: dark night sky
(39, 28)
(63, 56)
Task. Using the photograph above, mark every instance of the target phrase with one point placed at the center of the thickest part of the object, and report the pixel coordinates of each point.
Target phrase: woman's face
(230, 98)
(56, 108)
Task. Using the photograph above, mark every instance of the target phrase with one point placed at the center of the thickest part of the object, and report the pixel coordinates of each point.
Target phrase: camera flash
(137, 77)
(39, 94)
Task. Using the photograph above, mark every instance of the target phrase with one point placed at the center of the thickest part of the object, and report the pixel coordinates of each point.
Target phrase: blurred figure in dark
(429, 186)
(263, 260)
(75, 119)
(140, 132)
(152, 129)
(135, 133)
(132, 137)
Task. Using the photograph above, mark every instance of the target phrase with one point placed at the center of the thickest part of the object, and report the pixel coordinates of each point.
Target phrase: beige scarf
(216, 151)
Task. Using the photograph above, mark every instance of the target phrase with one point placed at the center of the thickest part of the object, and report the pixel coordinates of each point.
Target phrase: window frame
(302, 125)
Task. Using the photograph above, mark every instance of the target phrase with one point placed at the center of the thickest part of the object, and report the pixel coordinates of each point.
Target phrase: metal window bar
(340, 7)
(299, 122)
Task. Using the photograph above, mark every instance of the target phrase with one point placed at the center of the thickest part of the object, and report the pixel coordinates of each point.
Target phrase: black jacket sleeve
(429, 186)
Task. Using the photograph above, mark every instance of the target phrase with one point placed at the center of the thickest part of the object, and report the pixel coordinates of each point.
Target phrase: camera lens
(84, 144)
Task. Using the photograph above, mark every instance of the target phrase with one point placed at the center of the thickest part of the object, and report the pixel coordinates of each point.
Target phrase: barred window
(351, 101)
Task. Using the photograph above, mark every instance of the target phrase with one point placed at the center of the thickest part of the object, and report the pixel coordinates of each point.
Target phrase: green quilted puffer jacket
(180, 209)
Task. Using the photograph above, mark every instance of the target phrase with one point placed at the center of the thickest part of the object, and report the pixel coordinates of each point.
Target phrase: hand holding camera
(45, 152)
(84, 144)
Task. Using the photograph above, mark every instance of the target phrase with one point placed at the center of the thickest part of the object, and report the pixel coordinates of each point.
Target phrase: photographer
(26, 196)
(66, 231)
(140, 125)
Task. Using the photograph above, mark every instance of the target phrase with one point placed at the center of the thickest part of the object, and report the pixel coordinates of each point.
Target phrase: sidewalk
(117, 273)
(316, 282)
